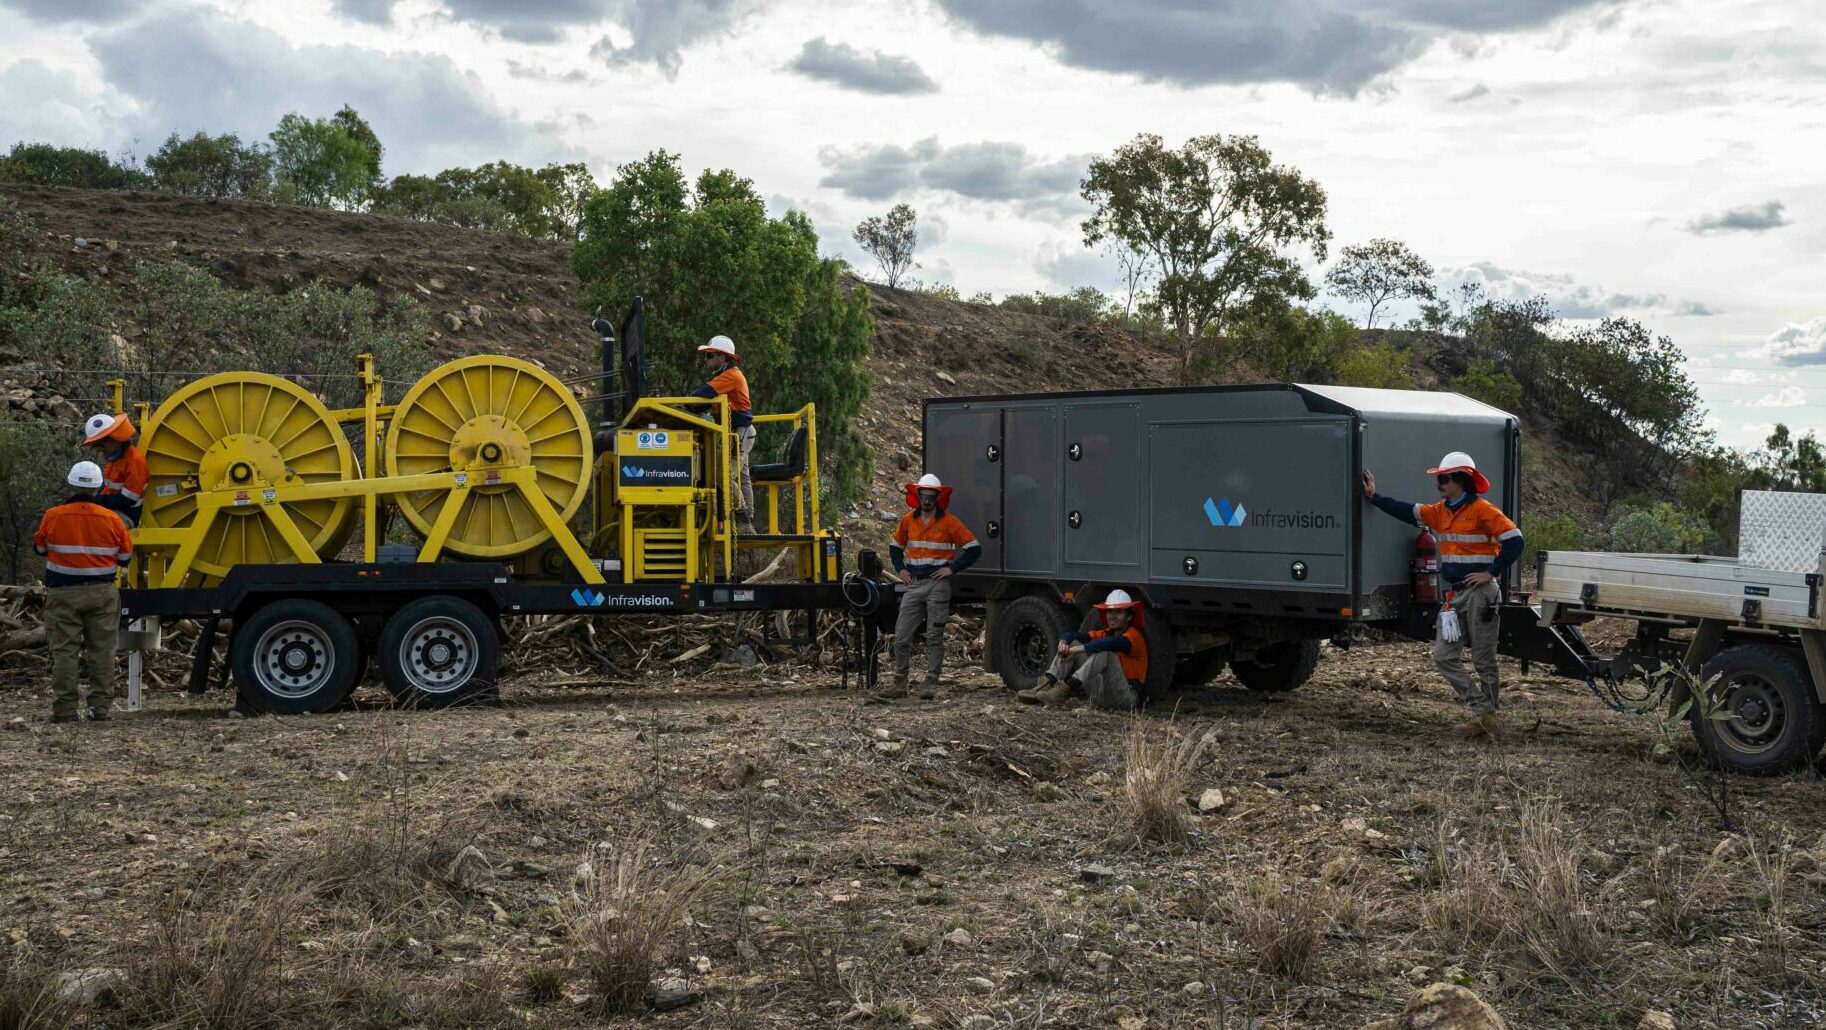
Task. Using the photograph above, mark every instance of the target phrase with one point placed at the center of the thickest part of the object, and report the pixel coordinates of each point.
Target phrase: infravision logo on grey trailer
(1225, 515)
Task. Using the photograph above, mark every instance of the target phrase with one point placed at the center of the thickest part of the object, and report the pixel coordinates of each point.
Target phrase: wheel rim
(1757, 715)
(294, 659)
(1031, 650)
(439, 655)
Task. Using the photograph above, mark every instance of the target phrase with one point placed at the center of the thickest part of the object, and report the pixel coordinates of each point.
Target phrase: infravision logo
(1224, 514)
(588, 598)
(637, 472)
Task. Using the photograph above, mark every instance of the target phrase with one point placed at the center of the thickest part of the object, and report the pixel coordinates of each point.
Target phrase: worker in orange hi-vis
(84, 545)
(930, 545)
(124, 472)
(728, 381)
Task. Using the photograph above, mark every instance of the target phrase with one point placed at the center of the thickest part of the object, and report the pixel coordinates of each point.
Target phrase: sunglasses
(1443, 480)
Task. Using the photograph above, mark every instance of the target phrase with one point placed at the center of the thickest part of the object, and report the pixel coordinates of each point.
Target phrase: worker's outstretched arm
(1406, 511)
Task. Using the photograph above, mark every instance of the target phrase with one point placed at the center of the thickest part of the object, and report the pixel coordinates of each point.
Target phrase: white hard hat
(1117, 599)
(85, 475)
(721, 345)
(1457, 461)
(928, 482)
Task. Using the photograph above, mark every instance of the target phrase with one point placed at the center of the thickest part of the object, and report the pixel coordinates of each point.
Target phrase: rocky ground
(792, 857)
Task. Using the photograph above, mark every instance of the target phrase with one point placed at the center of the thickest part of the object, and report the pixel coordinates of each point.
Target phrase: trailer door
(1103, 468)
(1030, 491)
(964, 450)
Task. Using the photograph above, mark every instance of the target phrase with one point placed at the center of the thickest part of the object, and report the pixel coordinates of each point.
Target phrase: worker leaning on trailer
(930, 544)
(1477, 544)
(123, 473)
(83, 544)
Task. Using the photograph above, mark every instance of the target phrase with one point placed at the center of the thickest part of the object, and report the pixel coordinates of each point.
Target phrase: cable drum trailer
(256, 495)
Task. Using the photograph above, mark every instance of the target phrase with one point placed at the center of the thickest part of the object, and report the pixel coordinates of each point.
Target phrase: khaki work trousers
(926, 603)
(82, 627)
(1478, 629)
(1101, 674)
(744, 445)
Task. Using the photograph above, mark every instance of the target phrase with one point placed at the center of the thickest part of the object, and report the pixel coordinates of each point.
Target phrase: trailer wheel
(1163, 649)
(1280, 666)
(437, 652)
(295, 656)
(1768, 721)
(1027, 635)
(1200, 667)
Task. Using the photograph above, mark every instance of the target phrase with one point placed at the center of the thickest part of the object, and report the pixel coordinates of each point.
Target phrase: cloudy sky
(1651, 158)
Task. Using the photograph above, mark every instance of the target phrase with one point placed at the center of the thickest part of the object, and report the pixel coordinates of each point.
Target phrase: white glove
(1448, 626)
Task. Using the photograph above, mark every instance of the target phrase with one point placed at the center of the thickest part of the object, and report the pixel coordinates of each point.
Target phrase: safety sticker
(166, 489)
(270, 495)
(242, 498)
(652, 441)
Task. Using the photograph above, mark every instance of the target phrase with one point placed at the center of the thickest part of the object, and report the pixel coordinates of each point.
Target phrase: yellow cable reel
(482, 414)
(246, 431)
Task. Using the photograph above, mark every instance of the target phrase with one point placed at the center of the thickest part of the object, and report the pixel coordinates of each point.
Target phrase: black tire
(295, 656)
(1027, 633)
(439, 651)
(1200, 667)
(1775, 723)
(1278, 667)
(1163, 649)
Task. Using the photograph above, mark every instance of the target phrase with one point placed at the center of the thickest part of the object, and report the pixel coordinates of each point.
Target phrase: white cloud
(1569, 297)
(1740, 376)
(195, 69)
(1803, 344)
(1786, 397)
(993, 171)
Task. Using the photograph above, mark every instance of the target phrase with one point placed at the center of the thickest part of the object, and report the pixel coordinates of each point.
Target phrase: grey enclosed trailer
(1235, 511)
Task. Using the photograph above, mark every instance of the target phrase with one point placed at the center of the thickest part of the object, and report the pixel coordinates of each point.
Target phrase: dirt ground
(1360, 851)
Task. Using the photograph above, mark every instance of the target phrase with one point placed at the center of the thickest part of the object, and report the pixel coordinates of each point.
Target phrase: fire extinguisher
(1426, 569)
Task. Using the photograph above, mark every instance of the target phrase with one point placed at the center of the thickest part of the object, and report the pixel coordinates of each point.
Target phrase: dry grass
(1556, 922)
(622, 917)
(1465, 910)
(1160, 761)
(1682, 901)
(1282, 921)
(1771, 868)
(218, 962)
(30, 998)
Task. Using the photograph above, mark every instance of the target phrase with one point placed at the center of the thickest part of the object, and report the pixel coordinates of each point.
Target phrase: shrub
(50, 165)
(1080, 305)
(212, 166)
(34, 457)
(30, 995)
(1381, 365)
(1293, 343)
(1661, 529)
(1281, 922)
(1550, 533)
(1495, 387)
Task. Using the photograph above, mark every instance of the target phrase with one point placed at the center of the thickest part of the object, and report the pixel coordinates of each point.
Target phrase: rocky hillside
(508, 294)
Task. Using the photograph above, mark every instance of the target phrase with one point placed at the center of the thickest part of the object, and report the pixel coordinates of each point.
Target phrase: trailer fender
(1813, 645)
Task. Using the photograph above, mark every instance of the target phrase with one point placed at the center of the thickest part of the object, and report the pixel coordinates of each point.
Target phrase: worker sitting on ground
(1109, 665)
(929, 545)
(1477, 544)
(124, 473)
(83, 545)
(727, 380)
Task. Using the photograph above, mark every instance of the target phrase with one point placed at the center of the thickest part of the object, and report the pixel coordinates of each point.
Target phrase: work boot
(1053, 696)
(1031, 696)
(744, 522)
(65, 717)
(889, 693)
(99, 715)
(1478, 726)
(928, 690)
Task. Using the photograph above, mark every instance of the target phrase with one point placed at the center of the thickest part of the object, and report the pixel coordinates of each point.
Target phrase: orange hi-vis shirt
(82, 542)
(126, 475)
(731, 383)
(1472, 535)
(928, 545)
(1135, 660)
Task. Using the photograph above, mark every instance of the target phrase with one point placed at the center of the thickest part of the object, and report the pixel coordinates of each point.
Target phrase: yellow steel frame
(165, 557)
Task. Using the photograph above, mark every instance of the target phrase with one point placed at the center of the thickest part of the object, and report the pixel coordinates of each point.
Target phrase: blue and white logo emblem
(1224, 514)
(588, 598)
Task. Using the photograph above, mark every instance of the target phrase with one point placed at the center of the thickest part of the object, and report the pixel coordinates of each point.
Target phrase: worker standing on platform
(124, 474)
(727, 380)
(1477, 544)
(929, 546)
(83, 544)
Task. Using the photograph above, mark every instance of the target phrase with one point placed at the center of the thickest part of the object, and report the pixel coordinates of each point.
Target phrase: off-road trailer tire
(293, 656)
(1278, 667)
(1774, 723)
(439, 651)
(1027, 634)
